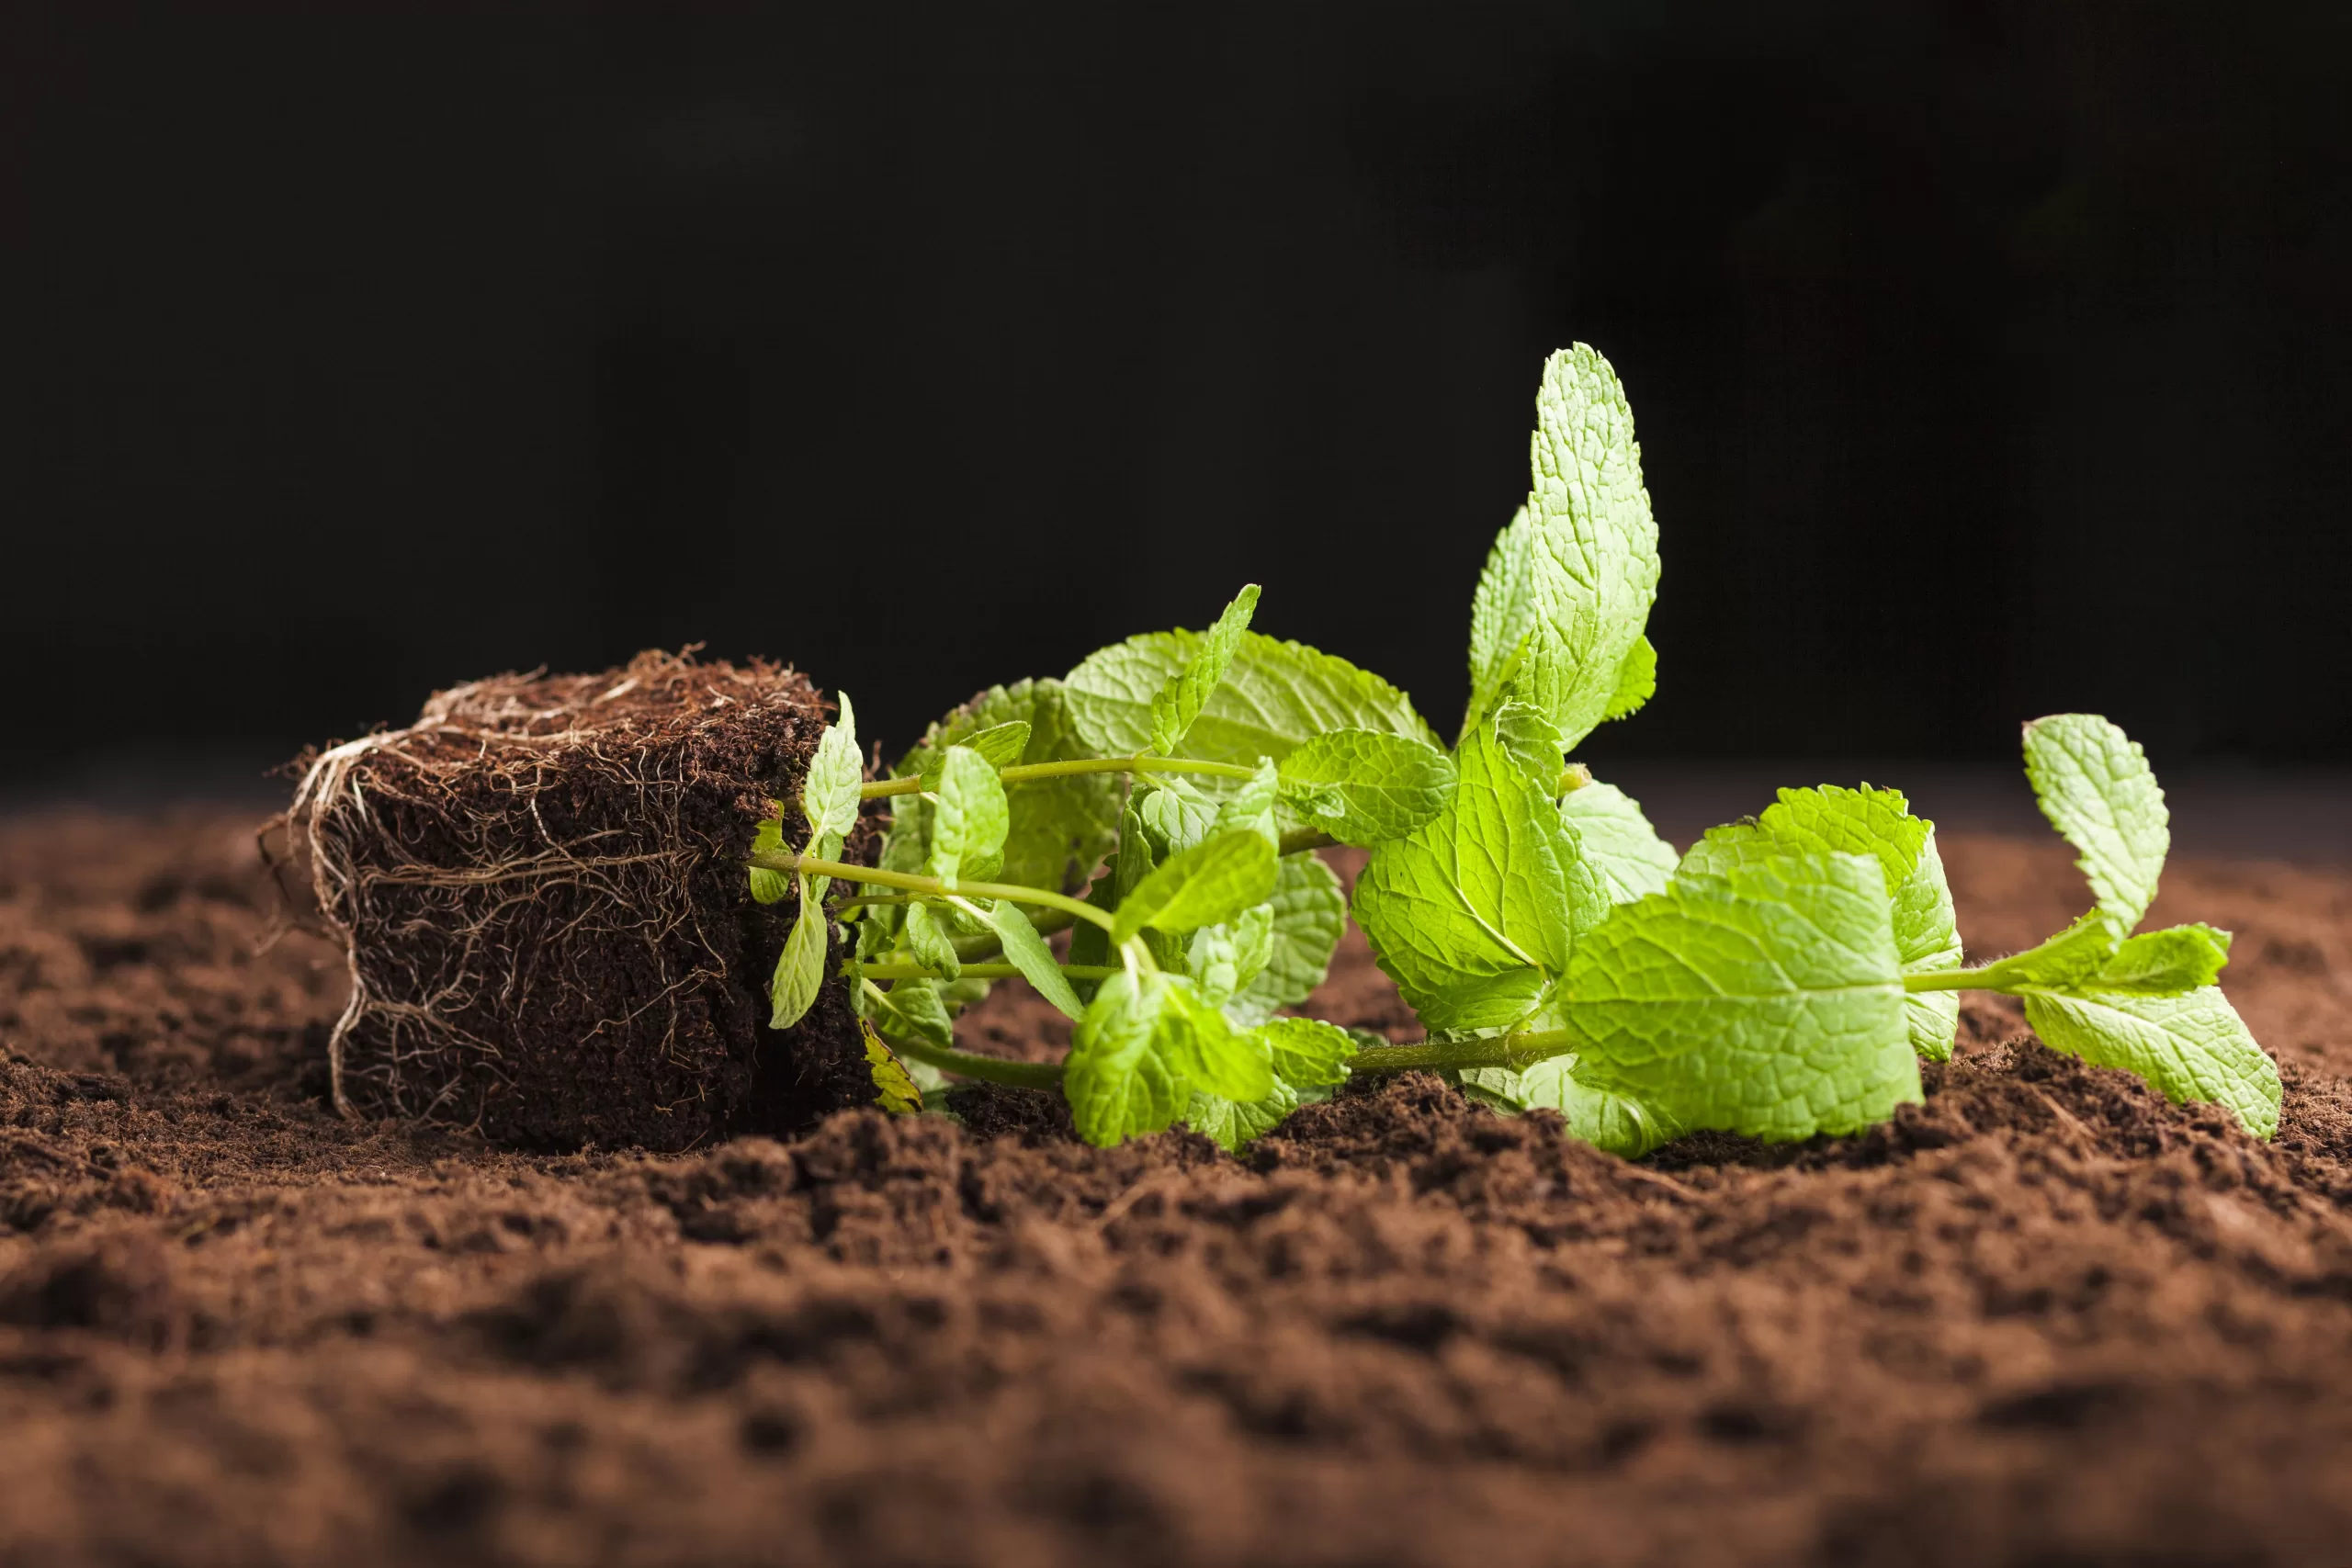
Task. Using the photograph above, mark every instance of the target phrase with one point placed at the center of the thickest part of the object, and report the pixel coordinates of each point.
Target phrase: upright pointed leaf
(1179, 700)
(1027, 952)
(2094, 785)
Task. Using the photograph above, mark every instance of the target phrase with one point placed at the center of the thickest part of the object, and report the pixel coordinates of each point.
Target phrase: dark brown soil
(2045, 1318)
(552, 942)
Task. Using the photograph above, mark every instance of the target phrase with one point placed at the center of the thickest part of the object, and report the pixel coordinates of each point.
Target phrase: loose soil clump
(540, 888)
(2044, 1317)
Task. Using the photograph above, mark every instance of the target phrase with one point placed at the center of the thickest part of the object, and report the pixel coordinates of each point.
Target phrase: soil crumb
(2044, 1318)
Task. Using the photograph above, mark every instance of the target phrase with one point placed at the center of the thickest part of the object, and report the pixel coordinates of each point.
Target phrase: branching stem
(1512, 1050)
(970, 1064)
(973, 971)
(1021, 772)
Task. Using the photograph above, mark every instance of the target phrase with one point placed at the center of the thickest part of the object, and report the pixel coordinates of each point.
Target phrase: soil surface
(2044, 1318)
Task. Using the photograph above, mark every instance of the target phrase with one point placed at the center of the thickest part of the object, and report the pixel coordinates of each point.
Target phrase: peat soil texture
(2046, 1317)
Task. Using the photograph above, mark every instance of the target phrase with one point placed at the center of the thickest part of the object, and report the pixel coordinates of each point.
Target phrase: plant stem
(937, 887)
(968, 1064)
(975, 971)
(1021, 772)
(1512, 1050)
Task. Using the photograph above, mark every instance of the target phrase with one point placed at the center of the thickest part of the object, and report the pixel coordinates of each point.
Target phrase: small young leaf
(1179, 700)
(912, 1010)
(1274, 698)
(2065, 961)
(770, 887)
(1060, 827)
(1208, 882)
(1636, 681)
(1252, 807)
(930, 941)
(800, 970)
(1876, 822)
(829, 794)
(999, 746)
(1176, 814)
(1364, 787)
(894, 1087)
(1608, 1121)
(1310, 915)
(1306, 1052)
(1027, 952)
(2168, 963)
(1223, 958)
(1482, 1002)
(1766, 999)
(2192, 1047)
(2094, 785)
(1614, 838)
(969, 821)
(1119, 1081)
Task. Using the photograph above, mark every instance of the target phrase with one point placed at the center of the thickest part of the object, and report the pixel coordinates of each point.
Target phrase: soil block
(541, 888)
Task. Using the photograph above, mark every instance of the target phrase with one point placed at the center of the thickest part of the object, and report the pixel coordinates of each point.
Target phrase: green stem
(967, 1065)
(974, 971)
(1022, 773)
(1512, 1050)
(937, 887)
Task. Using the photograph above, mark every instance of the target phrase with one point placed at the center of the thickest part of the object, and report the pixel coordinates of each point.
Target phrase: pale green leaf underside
(1878, 823)
(1765, 1000)
(2094, 785)
(1617, 841)
(1607, 1121)
(969, 819)
(1274, 697)
(801, 969)
(1480, 891)
(2192, 1047)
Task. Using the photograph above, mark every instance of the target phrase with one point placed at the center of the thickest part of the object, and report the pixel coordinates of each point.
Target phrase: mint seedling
(1783, 979)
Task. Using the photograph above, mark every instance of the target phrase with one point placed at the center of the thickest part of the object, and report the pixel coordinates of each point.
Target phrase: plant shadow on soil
(2044, 1317)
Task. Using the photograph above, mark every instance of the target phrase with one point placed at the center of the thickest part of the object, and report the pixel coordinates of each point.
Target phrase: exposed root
(551, 864)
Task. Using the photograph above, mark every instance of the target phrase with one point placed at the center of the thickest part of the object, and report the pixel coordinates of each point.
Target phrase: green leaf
(1027, 952)
(1636, 681)
(1060, 827)
(1483, 1002)
(1208, 1054)
(829, 794)
(2168, 963)
(911, 1010)
(1607, 1121)
(1119, 1080)
(969, 819)
(1211, 882)
(1364, 787)
(2094, 785)
(1310, 915)
(894, 1086)
(1178, 702)
(1480, 890)
(1223, 958)
(1614, 838)
(1765, 999)
(2192, 1047)
(999, 745)
(1878, 823)
(1568, 586)
(1274, 698)
(2066, 960)
(1306, 1052)
(1252, 807)
(801, 969)
(929, 938)
(770, 887)
(1232, 1123)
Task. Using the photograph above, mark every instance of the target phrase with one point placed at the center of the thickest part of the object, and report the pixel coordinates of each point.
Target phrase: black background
(1989, 360)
